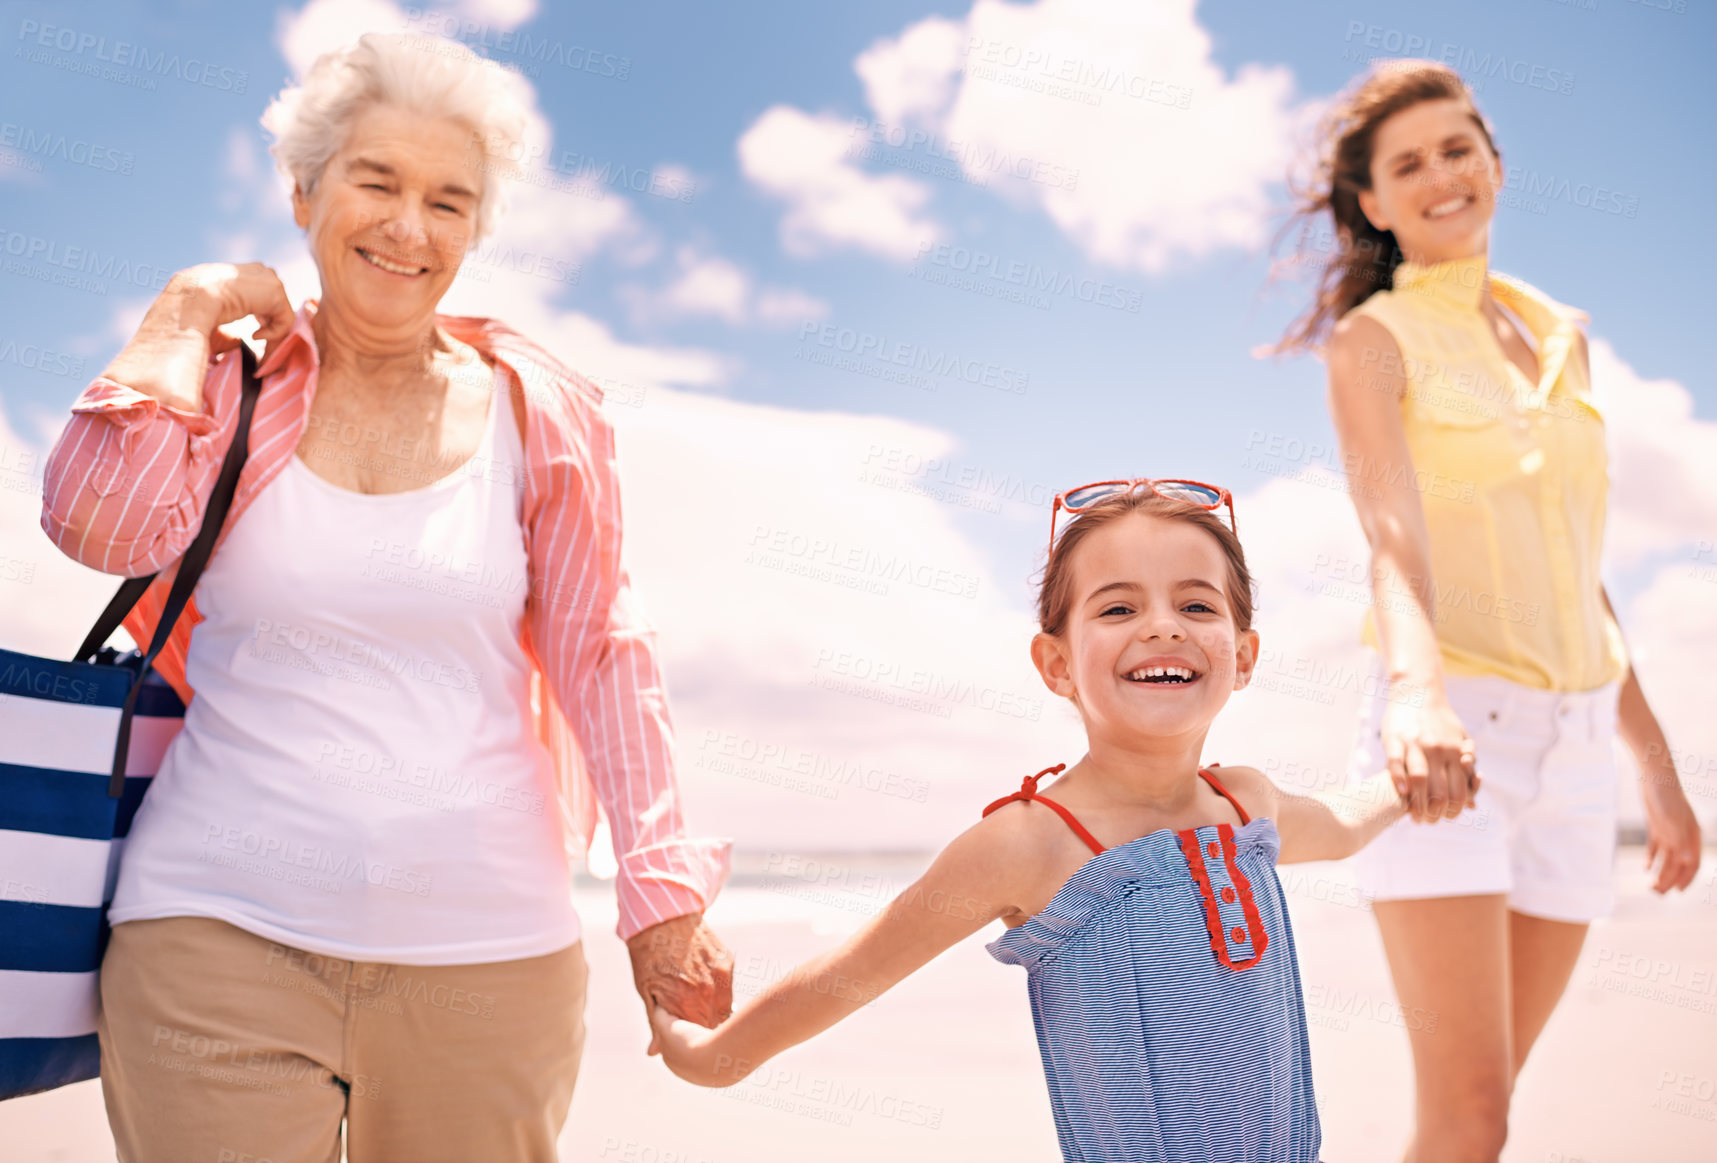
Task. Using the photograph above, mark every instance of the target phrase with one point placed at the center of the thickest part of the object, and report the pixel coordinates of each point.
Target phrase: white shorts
(1544, 827)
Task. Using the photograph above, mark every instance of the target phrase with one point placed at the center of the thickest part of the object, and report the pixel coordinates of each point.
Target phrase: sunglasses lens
(1090, 495)
(1196, 494)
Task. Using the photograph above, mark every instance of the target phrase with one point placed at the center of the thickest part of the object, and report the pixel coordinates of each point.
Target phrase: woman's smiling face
(1150, 647)
(392, 215)
(1434, 182)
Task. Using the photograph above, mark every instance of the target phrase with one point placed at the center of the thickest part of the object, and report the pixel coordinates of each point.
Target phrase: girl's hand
(691, 1051)
(1432, 760)
(1672, 830)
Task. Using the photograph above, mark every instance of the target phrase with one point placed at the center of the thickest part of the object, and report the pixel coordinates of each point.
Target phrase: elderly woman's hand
(224, 293)
(682, 965)
(169, 355)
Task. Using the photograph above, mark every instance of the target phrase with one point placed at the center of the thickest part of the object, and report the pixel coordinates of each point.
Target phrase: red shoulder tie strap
(1213, 782)
(1028, 791)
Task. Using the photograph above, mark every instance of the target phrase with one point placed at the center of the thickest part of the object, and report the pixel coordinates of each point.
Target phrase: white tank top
(357, 774)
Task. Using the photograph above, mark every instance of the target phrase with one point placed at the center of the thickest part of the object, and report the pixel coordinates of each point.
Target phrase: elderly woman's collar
(300, 333)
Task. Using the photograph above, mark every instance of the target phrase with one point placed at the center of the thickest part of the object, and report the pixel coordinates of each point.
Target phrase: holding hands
(1432, 760)
(682, 968)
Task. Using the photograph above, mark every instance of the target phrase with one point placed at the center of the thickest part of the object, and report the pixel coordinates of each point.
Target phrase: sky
(862, 283)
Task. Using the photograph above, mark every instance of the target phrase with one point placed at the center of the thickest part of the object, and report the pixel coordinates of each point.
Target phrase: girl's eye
(1205, 606)
(373, 186)
(1112, 609)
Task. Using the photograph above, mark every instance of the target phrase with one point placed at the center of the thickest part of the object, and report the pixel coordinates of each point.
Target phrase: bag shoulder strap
(190, 570)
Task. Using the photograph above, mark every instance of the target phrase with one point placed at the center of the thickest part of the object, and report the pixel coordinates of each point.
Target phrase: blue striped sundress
(1167, 999)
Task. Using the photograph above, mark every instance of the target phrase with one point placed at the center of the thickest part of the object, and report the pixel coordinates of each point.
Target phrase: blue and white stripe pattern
(1154, 1050)
(60, 838)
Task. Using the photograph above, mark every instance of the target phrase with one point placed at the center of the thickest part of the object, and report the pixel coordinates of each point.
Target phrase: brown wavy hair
(1365, 258)
(1055, 594)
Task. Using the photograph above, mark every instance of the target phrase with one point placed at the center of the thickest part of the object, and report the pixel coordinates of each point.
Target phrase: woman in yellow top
(1462, 399)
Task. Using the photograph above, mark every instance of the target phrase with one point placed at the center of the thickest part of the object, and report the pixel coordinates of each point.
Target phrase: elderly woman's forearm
(124, 487)
(168, 357)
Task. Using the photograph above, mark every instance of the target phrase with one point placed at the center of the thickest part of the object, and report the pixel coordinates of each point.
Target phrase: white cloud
(502, 14)
(1109, 116)
(916, 74)
(711, 286)
(708, 286)
(753, 543)
(1128, 134)
(787, 307)
(832, 203)
(1663, 462)
(324, 25)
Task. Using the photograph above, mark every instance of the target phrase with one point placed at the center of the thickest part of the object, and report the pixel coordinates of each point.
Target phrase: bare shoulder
(1016, 858)
(1251, 787)
(1359, 346)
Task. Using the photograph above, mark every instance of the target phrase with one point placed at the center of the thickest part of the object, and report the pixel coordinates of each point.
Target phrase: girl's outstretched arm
(971, 883)
(1330, 827)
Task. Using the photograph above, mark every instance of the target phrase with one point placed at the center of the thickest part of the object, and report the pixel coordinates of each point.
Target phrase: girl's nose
(1162, 627)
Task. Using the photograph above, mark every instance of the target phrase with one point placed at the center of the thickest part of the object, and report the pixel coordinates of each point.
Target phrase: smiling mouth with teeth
(1163, 674)
(1448, 206)
(389, 265)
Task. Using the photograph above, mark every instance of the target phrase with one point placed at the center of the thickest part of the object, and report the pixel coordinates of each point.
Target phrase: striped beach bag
(79, 741)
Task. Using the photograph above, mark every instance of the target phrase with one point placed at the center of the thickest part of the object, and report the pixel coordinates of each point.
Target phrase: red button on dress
(1239, 935)
(1215, 851)
(1227, 895)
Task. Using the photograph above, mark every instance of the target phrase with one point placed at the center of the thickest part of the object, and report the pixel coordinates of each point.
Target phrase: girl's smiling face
(1150, 648)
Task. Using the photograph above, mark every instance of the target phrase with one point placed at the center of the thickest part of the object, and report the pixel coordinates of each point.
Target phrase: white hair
(431, 75)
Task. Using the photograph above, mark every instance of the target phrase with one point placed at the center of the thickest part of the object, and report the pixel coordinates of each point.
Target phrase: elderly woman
(347, 898)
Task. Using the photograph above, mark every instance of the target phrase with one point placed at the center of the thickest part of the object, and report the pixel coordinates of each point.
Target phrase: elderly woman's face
(392, 215)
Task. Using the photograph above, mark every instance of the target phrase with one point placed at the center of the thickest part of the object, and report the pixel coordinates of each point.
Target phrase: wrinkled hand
(168, 357)
(1432, 759)
(682, 965)
(219, 293)
(1672, 831)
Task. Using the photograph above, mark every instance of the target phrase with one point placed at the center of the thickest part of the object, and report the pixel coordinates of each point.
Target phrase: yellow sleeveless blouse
(1516, 517)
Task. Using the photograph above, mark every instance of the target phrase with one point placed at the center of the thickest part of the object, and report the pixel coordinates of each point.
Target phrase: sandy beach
(945, 1066)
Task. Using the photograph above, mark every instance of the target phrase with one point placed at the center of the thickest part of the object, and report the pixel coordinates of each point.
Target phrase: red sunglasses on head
(1076, 501)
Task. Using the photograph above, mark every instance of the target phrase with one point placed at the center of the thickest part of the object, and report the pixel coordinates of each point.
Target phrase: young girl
(1141, 896)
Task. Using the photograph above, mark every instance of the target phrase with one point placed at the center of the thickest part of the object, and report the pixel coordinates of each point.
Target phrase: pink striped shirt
(127, 482)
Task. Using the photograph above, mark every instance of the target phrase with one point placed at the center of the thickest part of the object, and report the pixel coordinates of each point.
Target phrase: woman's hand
(693, 1052)
(222, 293)
(1672, 844)
(1432, 761)
(682, 964)
(169, 355)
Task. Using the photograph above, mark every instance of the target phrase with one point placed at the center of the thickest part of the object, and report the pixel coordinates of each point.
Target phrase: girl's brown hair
(1365, 258)
(1055, 594)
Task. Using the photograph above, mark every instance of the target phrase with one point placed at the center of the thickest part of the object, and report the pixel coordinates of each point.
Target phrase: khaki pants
(219, 1046)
